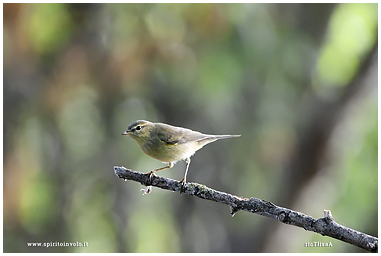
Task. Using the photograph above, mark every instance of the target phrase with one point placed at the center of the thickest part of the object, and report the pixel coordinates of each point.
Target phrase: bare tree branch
(325, 226)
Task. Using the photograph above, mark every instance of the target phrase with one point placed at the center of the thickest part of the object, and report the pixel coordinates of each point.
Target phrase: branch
(325, 226)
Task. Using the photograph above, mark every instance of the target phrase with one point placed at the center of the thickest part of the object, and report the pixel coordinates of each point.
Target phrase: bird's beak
(126, 132)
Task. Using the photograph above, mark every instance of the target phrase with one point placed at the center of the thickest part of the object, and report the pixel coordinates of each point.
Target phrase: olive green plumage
(169, 143)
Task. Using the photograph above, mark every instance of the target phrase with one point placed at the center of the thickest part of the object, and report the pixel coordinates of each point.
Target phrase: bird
(169, 144)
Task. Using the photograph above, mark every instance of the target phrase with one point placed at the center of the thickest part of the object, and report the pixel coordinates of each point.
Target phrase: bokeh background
(297, 81)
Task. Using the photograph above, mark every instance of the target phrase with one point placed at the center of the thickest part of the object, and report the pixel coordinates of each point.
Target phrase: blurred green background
(297, 81)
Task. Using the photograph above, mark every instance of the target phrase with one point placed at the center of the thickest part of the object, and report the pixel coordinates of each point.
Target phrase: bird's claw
(150, 176)
(183, 183)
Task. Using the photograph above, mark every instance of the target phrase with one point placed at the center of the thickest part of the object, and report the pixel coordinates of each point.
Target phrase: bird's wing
(172, 138)
(177, 135)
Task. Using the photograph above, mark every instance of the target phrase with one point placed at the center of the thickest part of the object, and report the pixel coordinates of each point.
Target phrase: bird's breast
(169, 152)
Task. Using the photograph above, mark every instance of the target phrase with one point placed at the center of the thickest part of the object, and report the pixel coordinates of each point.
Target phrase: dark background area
(297, 81)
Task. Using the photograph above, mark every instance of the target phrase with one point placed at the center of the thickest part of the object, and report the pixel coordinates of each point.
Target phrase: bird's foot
(182, 182)
(150, 176)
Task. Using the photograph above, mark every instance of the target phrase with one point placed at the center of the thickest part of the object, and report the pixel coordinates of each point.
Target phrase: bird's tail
(212, 138)
(225, 136)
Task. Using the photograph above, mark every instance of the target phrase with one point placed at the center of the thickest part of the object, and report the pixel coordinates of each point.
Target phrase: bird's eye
(138, 128)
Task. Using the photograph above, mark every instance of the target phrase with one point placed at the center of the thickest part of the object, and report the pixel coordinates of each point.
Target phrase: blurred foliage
(292, 79)
(351, 36)
(44, 37)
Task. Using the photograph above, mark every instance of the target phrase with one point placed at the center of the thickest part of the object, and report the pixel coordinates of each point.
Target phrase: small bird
(168, 143)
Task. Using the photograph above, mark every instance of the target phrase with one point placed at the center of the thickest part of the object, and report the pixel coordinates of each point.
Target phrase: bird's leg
(152, 173)
(184, 180)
